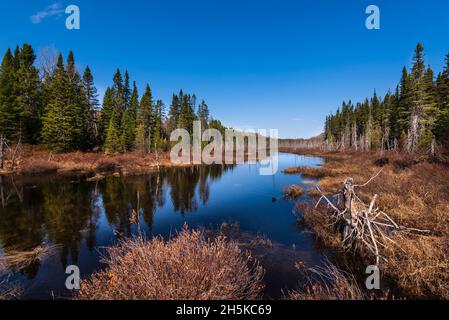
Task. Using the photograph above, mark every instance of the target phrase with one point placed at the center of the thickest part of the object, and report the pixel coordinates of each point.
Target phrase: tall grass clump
(328, 283)
(189, 266)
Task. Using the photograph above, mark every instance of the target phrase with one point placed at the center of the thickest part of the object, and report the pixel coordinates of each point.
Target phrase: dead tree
(15, 154)
(365, 226)
(2, 154)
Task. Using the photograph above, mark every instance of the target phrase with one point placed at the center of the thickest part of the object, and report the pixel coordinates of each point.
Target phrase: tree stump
(350, 213)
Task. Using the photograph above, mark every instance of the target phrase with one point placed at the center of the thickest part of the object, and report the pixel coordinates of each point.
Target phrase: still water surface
(84, 217)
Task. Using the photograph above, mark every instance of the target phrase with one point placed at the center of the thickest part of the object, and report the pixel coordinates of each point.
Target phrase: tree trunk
(350, 211)
(1, 151)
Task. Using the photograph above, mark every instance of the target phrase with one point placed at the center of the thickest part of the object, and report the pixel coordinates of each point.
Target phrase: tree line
(414, 118)
(57, 107)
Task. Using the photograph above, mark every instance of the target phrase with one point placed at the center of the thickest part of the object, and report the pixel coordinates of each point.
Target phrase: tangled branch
(364, 226)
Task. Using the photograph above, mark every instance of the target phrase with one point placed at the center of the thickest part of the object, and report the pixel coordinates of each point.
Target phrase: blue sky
(259, 64)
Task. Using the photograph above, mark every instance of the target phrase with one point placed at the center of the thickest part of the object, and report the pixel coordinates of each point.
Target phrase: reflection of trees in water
(57, 211)
(120, 198)
(66, 212)
(184, 181)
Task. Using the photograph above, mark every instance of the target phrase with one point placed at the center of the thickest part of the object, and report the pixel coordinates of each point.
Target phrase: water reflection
(66, 211)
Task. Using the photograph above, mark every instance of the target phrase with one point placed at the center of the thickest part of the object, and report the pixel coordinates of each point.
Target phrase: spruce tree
(77, 108)
(405, 101)
(203, 114)
(106, 114)
(173, 114)
(430, 108)
(9, 113)
(91, 96)
(134, 102)
(119, 96)
(442, 125)
(58, 128)
(186, 115)
(28, 95)
(112, 144)
(127, 91)
(143, 121)
(127, 137)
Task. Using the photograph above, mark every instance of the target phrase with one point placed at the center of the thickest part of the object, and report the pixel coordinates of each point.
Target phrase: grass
(309, 172)
(13, 261)
(293, 192)
(33, 160)
(327, 283)
(415, 192)
(189, 266)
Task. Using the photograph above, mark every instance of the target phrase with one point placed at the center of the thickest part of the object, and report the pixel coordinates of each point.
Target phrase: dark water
(84, 217)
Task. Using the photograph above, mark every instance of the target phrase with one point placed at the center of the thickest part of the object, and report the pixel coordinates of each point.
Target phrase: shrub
(38, 166)
(293, 192)
(189, 266)
(107, 165)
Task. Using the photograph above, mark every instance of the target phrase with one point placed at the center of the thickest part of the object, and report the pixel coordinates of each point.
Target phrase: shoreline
(413, 191)
(96, 165)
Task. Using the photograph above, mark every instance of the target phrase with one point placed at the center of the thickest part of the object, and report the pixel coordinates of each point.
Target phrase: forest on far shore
(48, 102)
(414, 118)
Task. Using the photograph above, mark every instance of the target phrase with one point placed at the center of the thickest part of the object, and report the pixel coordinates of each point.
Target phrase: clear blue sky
(261, 64)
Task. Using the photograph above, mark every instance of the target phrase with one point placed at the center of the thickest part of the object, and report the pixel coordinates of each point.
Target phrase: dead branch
(364, 226)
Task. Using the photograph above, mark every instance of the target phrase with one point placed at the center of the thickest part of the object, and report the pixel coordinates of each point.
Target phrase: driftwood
(364, 226)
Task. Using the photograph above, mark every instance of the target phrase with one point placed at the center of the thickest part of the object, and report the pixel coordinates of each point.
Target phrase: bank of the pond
(415, 193)
(36, 161)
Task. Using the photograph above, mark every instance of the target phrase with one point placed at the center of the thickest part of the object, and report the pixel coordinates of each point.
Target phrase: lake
(84, 217)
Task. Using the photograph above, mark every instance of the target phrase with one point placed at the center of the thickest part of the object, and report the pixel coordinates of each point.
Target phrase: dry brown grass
(293, 192)
(33, 160)
(9, 291)
(189, 266)
(37, 166)
(415, 193)
(328, 283)
(16, 260)
(309, 172)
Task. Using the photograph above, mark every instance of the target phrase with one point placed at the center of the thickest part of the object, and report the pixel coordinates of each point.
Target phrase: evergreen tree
(106, 114)
(430, 108)
(91, 96)
(77, 108)
(113, 144)
(173, 114)
(144, 121)
(405, 102)
(119, 96)
(134, 102)
(127, 91)
(59, 130)
(158, 132)
(203, 114)
(28, 95)
(186, 115)
(9, 113)
(442, 125)
(127, 137)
